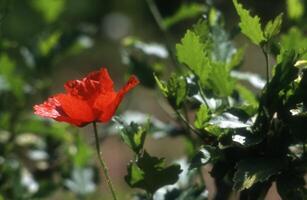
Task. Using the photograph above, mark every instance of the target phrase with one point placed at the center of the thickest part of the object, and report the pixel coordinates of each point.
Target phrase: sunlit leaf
(220, 81)
(202, 117)
(250, 26)
(273, 27)
(191, 52)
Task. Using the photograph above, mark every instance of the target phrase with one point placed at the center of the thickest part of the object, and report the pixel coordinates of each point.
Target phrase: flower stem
(102, 163)
(266, 55)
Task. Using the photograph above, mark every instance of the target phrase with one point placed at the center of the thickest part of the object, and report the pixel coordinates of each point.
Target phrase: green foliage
(294, 40)
(202, 117)
(273, 27)
(248, 96)
(295, 8)
(50, 10)
(185, 11)
(254, 170)
(134, 136)
(252, 135)
(38, 154)
(150, 173)
(205, 155)
(49, 43)
(220, 81)
(175, 90)
(250, 26)
(10, 81)
(191, 52)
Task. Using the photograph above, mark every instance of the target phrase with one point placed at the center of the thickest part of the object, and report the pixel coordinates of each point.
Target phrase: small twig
(182, 118)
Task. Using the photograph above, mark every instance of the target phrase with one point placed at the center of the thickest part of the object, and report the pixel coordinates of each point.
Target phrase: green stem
(102, 163)
(189, 126)
(266, 55)
(202, 95)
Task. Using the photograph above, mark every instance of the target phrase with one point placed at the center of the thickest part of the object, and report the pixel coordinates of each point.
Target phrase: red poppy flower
(87, 100)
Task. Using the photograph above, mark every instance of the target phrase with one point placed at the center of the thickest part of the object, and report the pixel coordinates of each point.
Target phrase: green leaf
(9, 79)
(206, 154)
(175, 89)
(250, 26)
(202, 29)
(134, 136)
(273, 27)
(202, 117)
(236, 59)
(220, 81)
(285, 72)
(150, 173)
(185, 11)
(162, 86)
(45, 45)
(191, 52)
(247, 95)
(222, 48)
(254, 170)
(50, 10)
(294, 39)
(295, 8)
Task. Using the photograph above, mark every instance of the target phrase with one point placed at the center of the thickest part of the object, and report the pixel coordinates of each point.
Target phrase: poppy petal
(110, 107)
(131, 83)
(106, 82)
(75, 108)
(52, 109)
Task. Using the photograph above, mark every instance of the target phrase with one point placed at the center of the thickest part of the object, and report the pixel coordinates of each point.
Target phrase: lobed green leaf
(250, 26)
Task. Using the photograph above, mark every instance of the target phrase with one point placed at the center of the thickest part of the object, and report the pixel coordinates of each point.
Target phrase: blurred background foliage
(43, 43)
